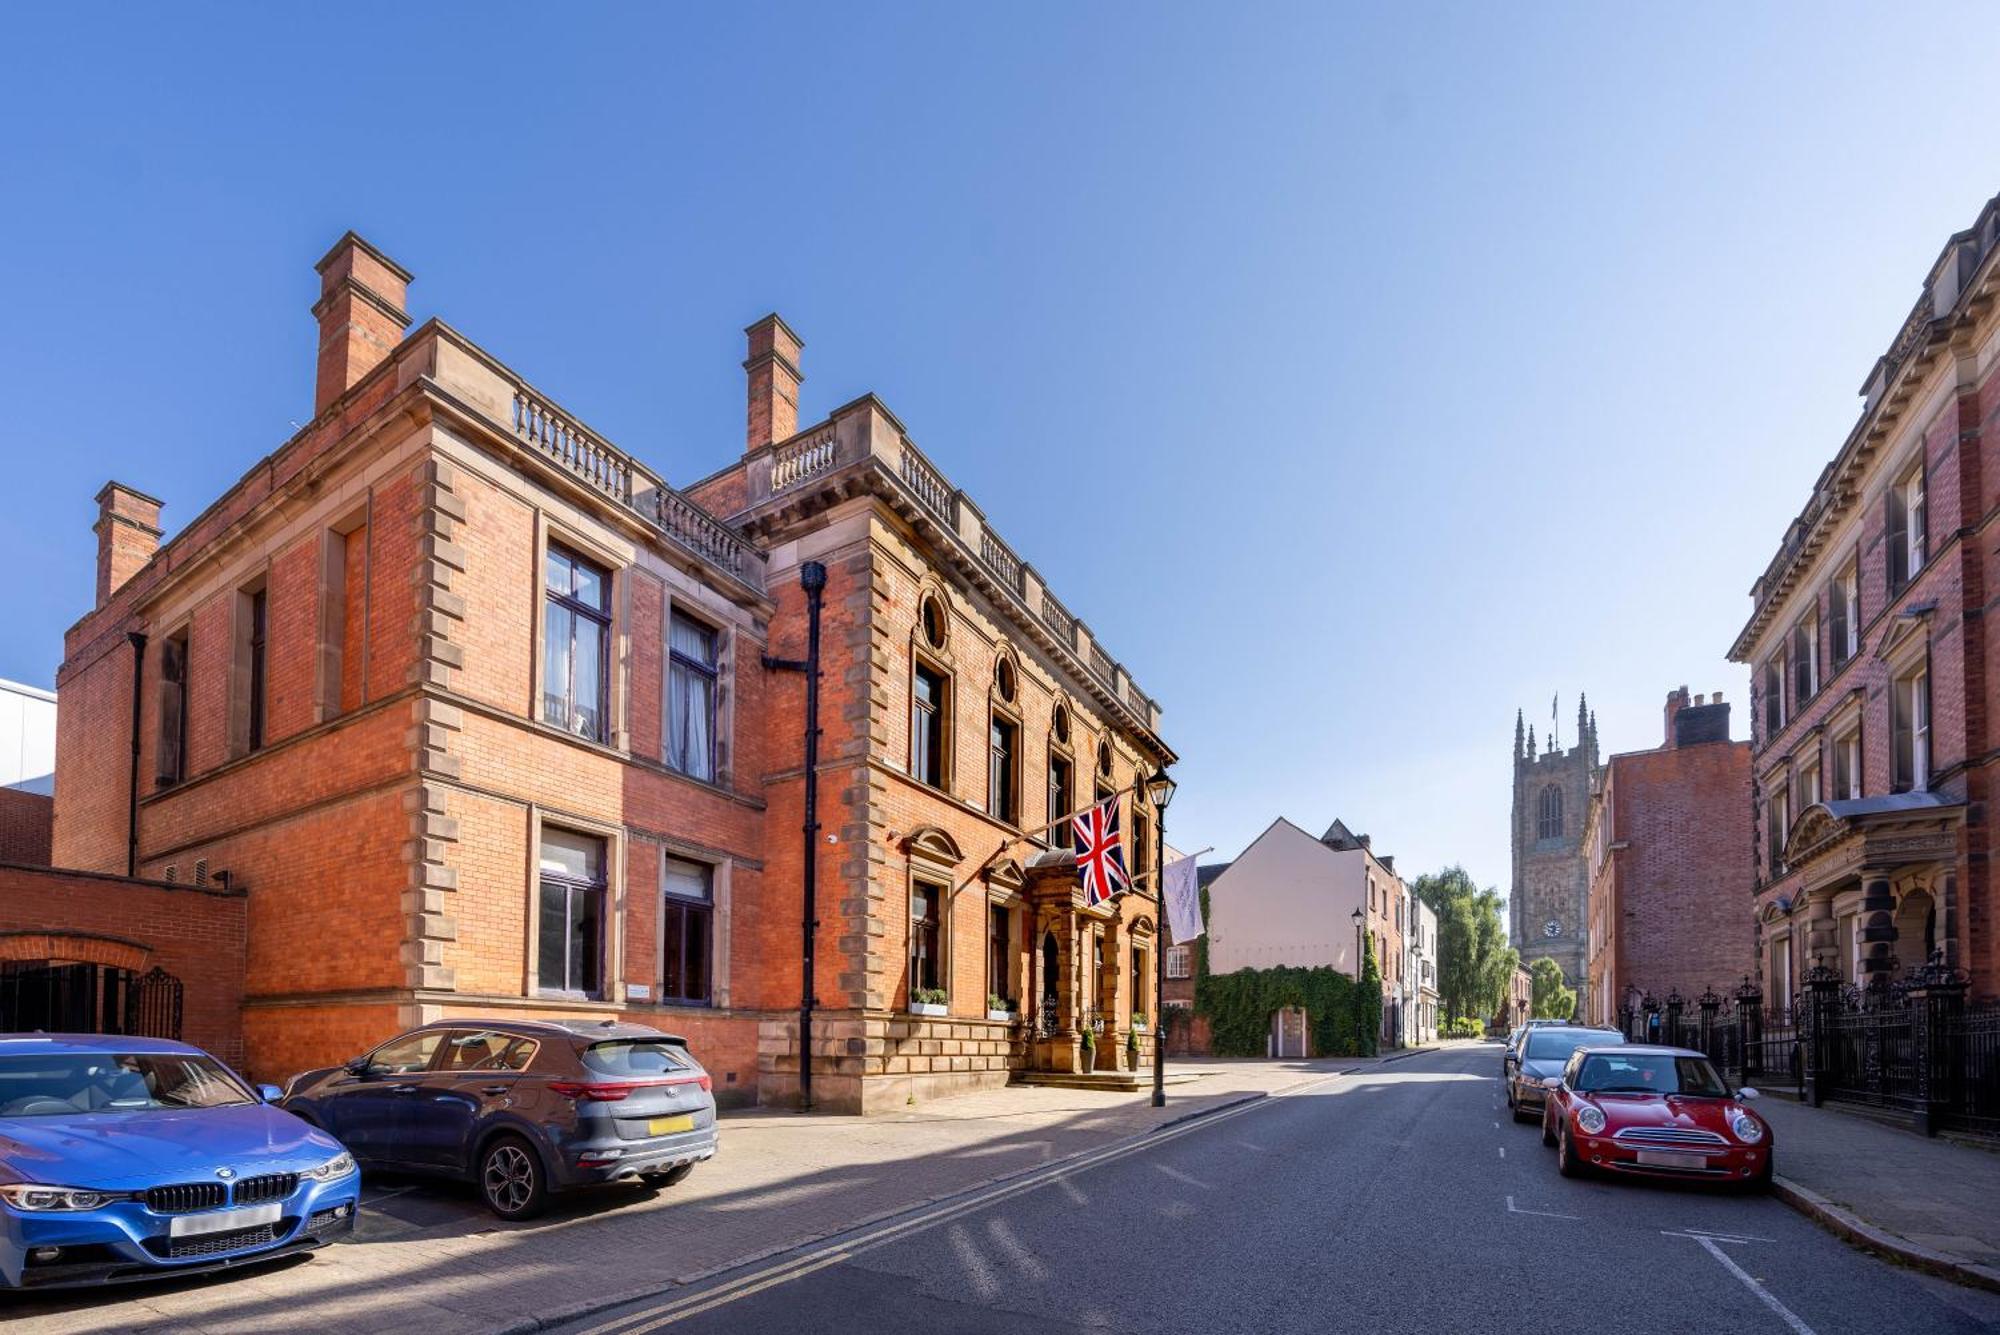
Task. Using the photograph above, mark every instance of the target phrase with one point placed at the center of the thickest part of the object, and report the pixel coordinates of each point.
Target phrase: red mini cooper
(1654, 1112)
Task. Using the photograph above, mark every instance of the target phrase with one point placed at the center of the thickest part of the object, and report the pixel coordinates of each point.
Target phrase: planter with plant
(1132, 1048)
(1089, 1051)
(927, 1001)
(999, 1008)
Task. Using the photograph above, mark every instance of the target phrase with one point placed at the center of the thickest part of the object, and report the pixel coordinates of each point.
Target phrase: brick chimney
(1677, 700)
(773, 366)
(1705, 720)
(128, 533)
(360, 314)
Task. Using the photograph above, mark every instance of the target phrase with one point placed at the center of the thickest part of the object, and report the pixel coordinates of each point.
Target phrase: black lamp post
(812, 579)
(1160, 789)
(1359, 918)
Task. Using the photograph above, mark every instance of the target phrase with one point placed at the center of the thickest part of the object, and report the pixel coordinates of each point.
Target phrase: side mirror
(359, 1066)
(1552, 1083)
(270, 1093)
(1746, 1094)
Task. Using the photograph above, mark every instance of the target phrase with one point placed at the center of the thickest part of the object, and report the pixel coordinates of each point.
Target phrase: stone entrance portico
(1080, 966)
(1891, 864)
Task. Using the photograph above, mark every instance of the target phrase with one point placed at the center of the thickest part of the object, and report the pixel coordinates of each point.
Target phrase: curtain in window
(691, 698)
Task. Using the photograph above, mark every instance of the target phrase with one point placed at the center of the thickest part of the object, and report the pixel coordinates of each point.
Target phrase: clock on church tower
(1552, 929)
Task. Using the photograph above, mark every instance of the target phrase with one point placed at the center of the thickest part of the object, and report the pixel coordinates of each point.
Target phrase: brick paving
(1937, 1194)
(429, 1257)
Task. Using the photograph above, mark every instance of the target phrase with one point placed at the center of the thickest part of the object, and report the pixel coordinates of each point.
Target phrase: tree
(1548, 999)
(1475, 964)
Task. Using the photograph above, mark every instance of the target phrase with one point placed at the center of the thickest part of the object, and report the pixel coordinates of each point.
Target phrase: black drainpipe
(138, 639)
(812, 578)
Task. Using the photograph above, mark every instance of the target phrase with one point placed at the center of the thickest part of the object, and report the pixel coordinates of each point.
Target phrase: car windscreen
(1648, 1073)
(636, 1058)
(67, 1084)
(1555, 1045)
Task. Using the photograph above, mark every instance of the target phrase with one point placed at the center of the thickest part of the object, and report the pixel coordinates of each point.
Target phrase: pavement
(1397, 1197)
(427, 1256)
(1931, 1203)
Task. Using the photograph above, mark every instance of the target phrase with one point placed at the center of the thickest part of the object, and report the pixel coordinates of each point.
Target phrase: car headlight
(1590, 1120)
(31, 1196)
(339, 1166)
(1747, 1128)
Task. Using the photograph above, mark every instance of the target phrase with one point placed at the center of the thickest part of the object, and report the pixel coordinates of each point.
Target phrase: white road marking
(1503, 1151)
(1712, 1233)
(1178, 1176)
(807, 1262)
(1545, 1214)
(977, 1268)
(1024, 1260)
(1712, 1244)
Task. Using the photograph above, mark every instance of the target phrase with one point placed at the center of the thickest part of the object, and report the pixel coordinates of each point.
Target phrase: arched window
(1549, 820)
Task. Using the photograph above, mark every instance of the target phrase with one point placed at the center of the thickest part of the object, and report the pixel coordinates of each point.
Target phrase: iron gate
(88, 999)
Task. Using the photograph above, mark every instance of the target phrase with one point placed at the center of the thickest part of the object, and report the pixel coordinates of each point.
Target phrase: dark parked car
(1543, 1050)
(520, 1107)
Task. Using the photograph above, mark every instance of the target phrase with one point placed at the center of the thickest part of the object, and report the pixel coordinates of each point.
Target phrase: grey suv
(520, 1107)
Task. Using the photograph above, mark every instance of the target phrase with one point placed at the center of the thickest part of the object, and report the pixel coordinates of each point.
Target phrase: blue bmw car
(128, 1158)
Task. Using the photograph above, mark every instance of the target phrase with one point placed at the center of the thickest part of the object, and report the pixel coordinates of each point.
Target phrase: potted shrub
(1089, 1051)
(999, 1008)
(1132, 1047)
(927, 1001)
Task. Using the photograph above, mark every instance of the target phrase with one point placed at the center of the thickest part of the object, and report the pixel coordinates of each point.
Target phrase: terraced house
(1869, 643)
(480, 714)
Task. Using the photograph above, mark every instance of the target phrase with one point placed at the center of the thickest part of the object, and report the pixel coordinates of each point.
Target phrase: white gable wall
(1287, 900)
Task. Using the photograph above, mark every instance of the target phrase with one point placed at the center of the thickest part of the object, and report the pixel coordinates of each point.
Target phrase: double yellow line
(819, 1258)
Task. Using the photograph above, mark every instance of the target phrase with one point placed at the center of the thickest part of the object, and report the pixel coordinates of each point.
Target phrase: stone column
(1878, 931)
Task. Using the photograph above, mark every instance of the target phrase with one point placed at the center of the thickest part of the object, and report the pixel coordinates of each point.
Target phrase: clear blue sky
(1359, 374)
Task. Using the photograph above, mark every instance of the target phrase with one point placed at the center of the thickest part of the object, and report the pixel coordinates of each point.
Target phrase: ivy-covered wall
(1239, 1005)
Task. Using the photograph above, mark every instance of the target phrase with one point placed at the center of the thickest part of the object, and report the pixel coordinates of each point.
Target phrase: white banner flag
(1182, 891)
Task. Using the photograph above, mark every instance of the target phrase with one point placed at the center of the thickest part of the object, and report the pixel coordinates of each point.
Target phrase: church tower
(1546, 905)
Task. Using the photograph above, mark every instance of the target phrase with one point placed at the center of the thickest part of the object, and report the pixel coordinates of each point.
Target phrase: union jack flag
(1100, 857)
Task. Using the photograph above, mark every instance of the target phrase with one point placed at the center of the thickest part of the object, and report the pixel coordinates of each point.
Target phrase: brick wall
(198, 936)
(27, 827)
(1676, 909)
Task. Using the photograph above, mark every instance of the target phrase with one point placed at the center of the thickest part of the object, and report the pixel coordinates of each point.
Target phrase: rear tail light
(610, 1091)
(591, 1093)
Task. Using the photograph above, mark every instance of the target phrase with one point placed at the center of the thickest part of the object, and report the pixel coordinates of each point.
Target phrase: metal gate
(38, 995)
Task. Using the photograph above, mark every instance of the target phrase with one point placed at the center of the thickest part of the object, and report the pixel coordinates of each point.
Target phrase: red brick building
(1869, 644)
(1667, 836)
(480, 715)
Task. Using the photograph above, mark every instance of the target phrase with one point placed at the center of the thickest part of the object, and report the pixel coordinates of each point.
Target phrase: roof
(1884, 803)
(594, 1029)
(1339, 836)
(23, 1044)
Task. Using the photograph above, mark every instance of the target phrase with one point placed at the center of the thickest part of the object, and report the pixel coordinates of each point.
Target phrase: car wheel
(511, 1180)
(1567, 1162)
(1548, 1129)
(672, 1177)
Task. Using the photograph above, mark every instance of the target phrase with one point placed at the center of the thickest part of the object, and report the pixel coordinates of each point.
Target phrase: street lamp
(1160, 789)
(1359, 918)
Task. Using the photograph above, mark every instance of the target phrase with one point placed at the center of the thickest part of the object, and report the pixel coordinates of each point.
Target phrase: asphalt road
(1396, 1199)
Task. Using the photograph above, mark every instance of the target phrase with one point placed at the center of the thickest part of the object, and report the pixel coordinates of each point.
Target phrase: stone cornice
(1957, 298)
